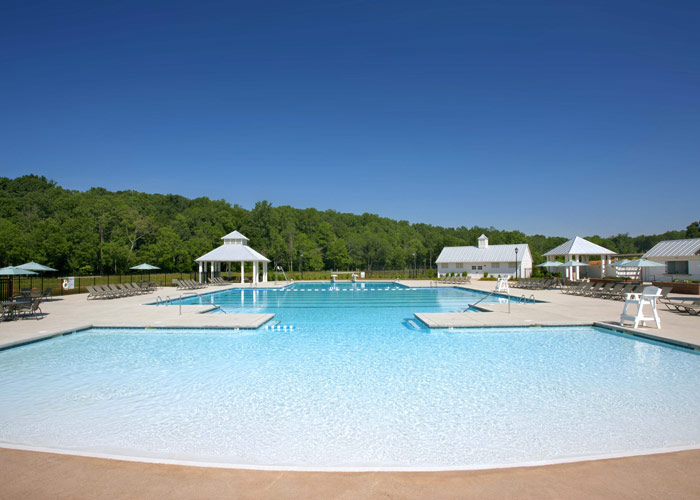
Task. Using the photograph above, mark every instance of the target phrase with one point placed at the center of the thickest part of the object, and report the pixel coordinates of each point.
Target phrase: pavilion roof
(233, 253)
(579, 246)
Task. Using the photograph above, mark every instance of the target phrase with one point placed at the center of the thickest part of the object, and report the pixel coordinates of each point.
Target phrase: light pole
(516, 263)
(301, 266)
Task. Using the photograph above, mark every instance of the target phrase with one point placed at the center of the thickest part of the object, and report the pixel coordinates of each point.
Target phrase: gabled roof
(494, 253)
(233, 253)
(675, 248)
(235, 235)
(579, 246)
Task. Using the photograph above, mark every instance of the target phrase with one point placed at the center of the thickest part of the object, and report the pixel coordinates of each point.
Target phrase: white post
(264, 272)
(212, 266)
(242, 271)
(200, 272)
(603, 258)
(255, 272)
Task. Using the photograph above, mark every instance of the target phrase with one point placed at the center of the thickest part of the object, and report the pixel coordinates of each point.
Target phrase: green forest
(103, 232)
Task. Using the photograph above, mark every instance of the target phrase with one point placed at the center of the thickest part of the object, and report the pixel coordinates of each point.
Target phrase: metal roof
(233, 253)
(235, 235)
(579, 246)
(675, 248)
(494, 253)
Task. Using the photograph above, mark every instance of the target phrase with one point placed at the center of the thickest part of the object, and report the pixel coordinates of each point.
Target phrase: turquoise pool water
(378, 303)
(352, 387)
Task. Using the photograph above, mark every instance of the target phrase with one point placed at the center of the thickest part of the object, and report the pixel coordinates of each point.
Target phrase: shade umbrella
(145, 267)
(620, 263)
(640, 263)
(15, 271)
(33, 266)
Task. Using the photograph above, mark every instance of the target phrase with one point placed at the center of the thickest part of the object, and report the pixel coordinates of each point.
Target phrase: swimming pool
(350, 391)
(375, 303)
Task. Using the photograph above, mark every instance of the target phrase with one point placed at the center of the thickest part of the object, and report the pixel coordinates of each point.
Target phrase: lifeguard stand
(648, 297)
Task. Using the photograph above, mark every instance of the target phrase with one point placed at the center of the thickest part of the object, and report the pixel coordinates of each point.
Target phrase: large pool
(354, 386)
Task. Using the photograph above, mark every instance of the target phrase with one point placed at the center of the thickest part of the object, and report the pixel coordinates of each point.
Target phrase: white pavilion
(234, 249)
(579, 249)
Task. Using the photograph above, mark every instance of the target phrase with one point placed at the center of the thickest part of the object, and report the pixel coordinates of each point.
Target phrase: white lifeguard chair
(648, 297)
(502, 285)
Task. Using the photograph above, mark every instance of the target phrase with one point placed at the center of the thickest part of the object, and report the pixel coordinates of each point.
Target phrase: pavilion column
(603, 259)
(211, 269)
(242, 271)
(578, 269)
(200, 272)
(255, 272)
(264, 272)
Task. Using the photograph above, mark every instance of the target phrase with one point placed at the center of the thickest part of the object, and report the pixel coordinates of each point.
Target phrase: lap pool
(353, 387)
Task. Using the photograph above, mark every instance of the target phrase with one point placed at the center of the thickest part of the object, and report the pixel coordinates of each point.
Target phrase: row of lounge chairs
(189, 285)
(609, 290)
(453, 280)
(536, 283)
(119, 290)
(218, 281)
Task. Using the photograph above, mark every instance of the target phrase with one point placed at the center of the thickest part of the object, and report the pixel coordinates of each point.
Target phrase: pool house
(681, 258)
(503, 260)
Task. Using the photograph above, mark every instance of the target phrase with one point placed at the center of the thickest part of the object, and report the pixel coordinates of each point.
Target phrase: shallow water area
(354, 386)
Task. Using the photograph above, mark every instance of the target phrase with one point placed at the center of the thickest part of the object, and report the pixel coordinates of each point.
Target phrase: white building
(234, 249)
(493, 259)
(681, 258)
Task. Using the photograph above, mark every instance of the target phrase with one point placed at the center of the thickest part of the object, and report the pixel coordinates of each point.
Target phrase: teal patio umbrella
(620, 263)
(640, 263)
(15, 271)
(145, 267)
(33, 266)
(554, 263)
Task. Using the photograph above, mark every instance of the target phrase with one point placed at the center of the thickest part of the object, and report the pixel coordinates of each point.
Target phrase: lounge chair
(693, 308)
(610, 292)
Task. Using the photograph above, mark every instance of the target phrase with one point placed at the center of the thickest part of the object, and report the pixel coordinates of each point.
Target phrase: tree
(693, 230)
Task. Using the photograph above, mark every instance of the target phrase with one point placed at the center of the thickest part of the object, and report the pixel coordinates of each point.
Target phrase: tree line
(103, 232)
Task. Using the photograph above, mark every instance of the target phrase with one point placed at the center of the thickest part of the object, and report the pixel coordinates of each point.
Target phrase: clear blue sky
(551, 117)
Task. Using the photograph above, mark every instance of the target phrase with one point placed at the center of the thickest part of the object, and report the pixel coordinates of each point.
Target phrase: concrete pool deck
(27, 474)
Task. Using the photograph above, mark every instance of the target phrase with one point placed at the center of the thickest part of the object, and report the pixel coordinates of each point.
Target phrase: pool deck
(27, 474)
(559, 308)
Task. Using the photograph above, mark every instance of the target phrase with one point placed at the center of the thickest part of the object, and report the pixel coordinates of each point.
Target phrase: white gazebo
(234, 249)
(579, 249)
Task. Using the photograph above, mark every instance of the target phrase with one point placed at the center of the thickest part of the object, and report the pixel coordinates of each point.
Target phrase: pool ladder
(164, 302)
(523, 299)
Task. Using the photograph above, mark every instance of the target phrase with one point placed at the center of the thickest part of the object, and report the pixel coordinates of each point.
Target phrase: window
(677, 267)
(473, 268)
(480, 267)
(495, 265)
(511, 264)
(443, 266)
(460, 265)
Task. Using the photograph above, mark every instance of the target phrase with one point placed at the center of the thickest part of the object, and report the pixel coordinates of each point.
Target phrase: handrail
(532, 298)
(186, 293)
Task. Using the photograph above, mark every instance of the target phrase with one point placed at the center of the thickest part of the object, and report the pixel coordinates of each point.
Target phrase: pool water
(378, 303)
(352, 387)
